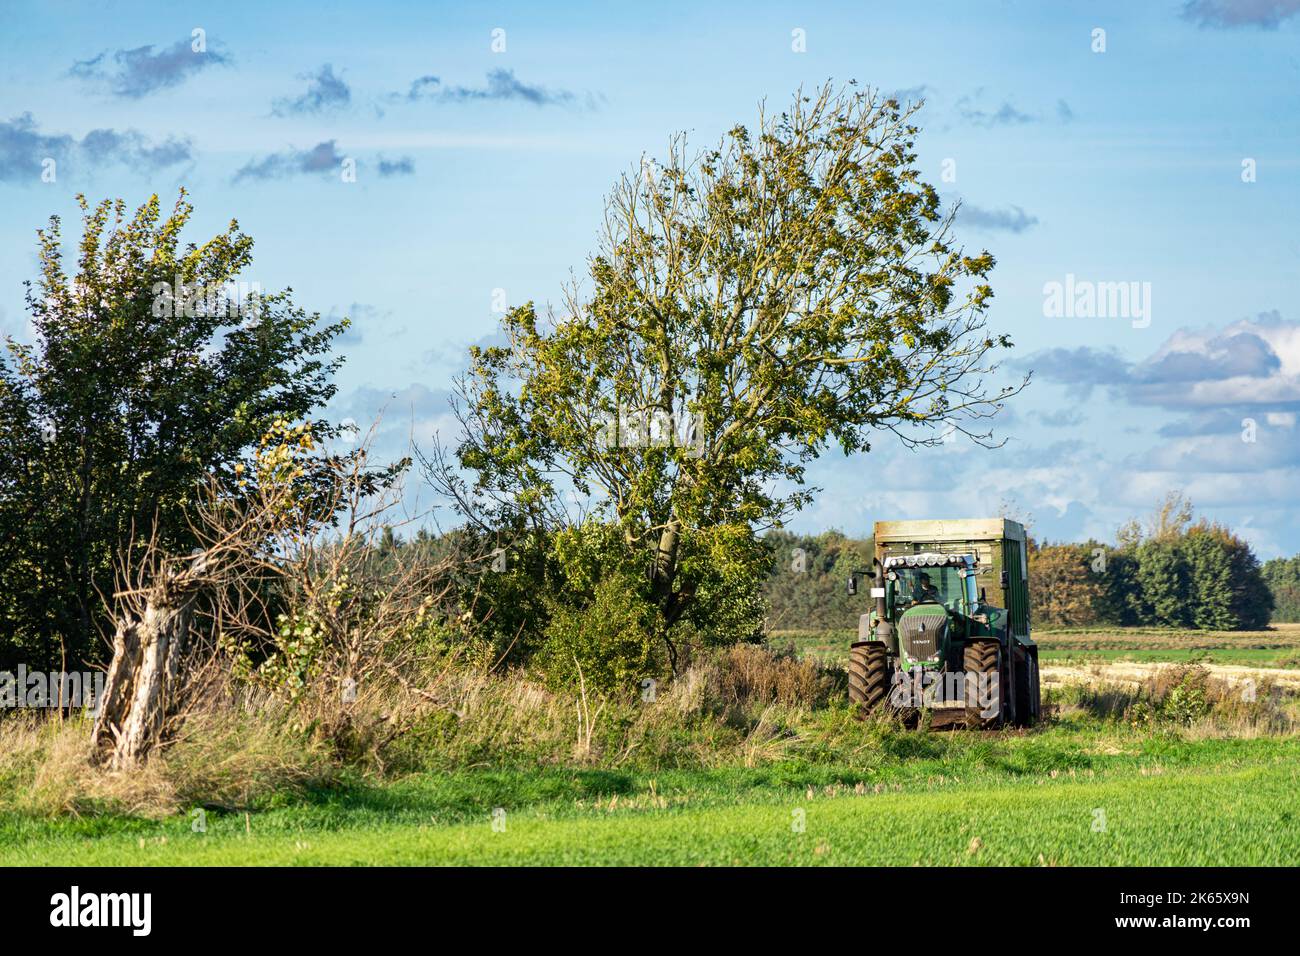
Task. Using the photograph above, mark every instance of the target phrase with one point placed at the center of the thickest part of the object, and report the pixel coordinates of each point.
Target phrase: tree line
(1172, 570)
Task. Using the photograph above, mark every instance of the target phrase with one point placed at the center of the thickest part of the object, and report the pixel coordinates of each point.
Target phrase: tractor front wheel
(868, 674)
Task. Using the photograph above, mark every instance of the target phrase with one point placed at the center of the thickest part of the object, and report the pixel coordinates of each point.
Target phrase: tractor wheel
(1028, 694)
(983, 657)
(868, 674)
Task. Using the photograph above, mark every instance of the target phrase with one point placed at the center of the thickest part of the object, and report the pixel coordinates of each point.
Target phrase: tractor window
(929, 584)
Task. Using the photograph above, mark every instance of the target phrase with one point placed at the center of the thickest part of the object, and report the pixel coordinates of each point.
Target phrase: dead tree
(302, 523)
(149, 645)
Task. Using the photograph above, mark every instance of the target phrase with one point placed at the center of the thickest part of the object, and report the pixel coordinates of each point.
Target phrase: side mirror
(1006, 579)
(853, 584)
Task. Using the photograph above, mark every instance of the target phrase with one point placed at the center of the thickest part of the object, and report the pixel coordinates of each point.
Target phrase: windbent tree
(795, 287)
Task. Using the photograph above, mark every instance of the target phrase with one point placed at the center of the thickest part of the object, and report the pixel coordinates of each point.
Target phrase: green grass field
(1084, 788)
(1278, 647)
(1067, 795)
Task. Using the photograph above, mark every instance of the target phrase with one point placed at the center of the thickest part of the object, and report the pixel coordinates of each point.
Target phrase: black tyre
(984, 657)
(1028, 692)
(868, 674)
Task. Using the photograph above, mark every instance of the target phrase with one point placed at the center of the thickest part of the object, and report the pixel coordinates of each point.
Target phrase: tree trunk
(665, 573)
(146, 656)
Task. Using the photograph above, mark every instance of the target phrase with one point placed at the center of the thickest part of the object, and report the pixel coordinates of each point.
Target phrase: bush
(1189, 695)
(545, 575)
(610, 645)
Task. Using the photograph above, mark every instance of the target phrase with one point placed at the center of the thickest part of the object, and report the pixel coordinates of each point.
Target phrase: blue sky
(481, 170)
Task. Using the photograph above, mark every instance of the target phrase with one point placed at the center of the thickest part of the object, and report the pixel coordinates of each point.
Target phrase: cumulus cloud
(24, 149)
(1004, 115)
(910, 94)
(325, 90)
(1011, 219)
(1251, 363)
(501, 85)
(322, 158)
(1232, 14)
(1067, 417)
(397, 167)
(1082, 368)
(975, 109)
(136, 73)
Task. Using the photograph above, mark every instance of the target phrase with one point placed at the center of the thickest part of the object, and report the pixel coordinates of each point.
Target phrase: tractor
(934, 642)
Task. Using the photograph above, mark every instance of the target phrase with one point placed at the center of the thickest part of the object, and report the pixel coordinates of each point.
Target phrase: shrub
(543, 576)
(612, 644)
(1185, 696)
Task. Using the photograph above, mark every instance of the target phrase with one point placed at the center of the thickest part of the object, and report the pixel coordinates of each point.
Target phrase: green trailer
(950, 630)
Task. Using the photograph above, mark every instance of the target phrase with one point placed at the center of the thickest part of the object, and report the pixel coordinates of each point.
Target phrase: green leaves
(141, 382)
(792, 287)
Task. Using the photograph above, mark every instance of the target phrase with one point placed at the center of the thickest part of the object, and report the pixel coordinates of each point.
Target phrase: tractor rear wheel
(1028, 699)
(979, 658)
(868, 674)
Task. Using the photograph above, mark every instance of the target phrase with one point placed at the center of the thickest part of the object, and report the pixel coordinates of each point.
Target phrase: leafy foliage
(1283, 577)
(1064, 590)
(794, 288)
(610, 644)
(1168, 572)
(130, 397)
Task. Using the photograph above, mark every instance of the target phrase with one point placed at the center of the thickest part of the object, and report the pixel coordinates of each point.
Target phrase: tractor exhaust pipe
(884, 628)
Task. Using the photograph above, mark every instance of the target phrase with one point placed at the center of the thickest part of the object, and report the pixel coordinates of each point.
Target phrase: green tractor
(933, 641)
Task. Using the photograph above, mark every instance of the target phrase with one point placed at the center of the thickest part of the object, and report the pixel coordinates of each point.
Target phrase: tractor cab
(946, 579)
(929, 600)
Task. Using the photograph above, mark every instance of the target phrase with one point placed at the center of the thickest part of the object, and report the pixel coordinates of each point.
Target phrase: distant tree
(1120, 602)
(807, 586)
(143, 380)
(1168, 522)
(1282, 575)
(1163, 584)
(1252, 602)
(1065, 592)
(1187, 574)
(1209, 577)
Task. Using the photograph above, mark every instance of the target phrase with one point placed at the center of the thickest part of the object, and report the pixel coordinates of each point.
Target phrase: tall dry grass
(230, 760)
(1191, 699)
(743, 706)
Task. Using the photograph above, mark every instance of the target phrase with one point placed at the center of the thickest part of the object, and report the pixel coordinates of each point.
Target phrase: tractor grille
(922, 631)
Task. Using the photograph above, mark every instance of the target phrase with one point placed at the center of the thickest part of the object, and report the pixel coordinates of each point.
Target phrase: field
(1275, 648)
(1059, 799)
(1095, 785)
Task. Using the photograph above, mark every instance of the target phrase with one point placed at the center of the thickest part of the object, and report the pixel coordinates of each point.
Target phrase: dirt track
(1132, 673)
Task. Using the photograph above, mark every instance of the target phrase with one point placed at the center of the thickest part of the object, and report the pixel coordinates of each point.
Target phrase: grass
(753, 758)
(932, 799)
(869, 793)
